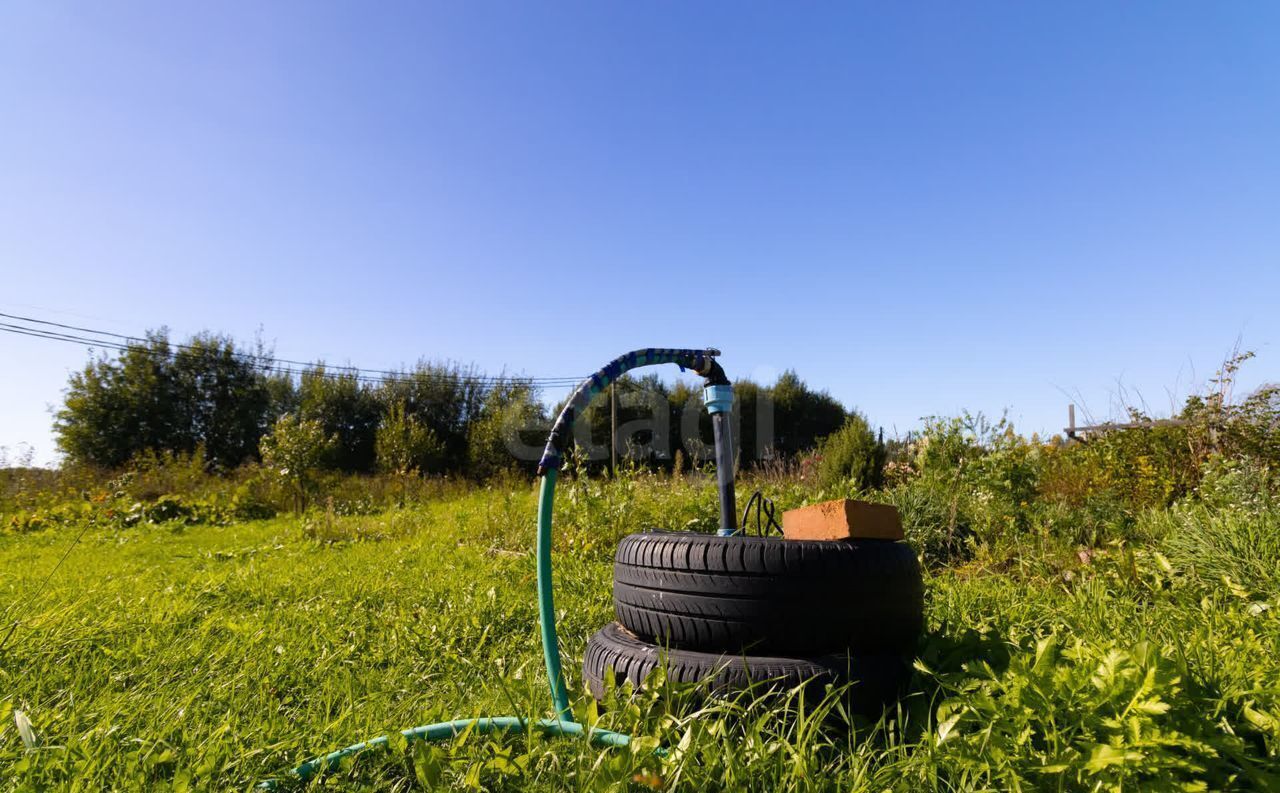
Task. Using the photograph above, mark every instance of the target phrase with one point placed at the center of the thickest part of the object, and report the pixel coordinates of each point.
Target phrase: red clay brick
(842, 519)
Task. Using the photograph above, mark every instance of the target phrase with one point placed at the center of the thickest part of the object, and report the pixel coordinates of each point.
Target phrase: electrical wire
(120, 342)
(766, 523)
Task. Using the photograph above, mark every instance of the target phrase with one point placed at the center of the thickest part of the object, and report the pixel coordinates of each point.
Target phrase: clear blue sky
(920, 207)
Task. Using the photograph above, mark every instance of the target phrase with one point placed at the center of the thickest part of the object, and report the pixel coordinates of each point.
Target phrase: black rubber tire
(878, 679)
(768, 595)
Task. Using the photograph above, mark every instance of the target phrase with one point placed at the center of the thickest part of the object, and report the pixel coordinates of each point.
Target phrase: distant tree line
(209, 394)
(775, 422)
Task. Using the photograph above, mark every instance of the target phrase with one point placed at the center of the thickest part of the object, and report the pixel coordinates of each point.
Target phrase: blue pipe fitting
(718, 398)
(719, 402)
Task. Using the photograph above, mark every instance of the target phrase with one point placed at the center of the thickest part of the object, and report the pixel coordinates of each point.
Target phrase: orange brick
(842, 519)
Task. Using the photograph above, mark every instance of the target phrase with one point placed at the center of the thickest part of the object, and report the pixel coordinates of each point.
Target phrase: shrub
(947, 446)
(1149, 467)
(980, 469)
(406, 445)
(252, 499)
(1157, 465)
(1096, 520)
(294, 451)
(171, 508)
(1088, 716)
(445, 397)
(852, 456)
(152, 473)
(510, 415)
(24, 522)
(348, 411)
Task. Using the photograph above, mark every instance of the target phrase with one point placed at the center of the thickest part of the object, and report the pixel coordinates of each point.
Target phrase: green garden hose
(701, 361)
(546, 597)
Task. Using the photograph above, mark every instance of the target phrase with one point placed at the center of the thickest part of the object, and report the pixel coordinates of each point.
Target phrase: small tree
(168, 398)
(510, 413)
(802, 416)
(852, 454)
(404, 444)
(348, 409)
(293, 451)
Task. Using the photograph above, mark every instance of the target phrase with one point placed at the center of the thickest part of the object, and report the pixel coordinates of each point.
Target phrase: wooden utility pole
(613, 429)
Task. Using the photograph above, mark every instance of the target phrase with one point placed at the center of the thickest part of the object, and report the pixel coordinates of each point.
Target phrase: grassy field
(208, 657)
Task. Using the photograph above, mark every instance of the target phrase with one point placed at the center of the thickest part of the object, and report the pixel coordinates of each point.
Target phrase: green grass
(207, 658)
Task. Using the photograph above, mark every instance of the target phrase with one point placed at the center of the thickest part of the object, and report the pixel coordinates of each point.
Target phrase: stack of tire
(733, 612)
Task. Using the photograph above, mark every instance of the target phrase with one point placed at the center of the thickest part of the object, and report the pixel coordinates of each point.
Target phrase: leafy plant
(852, 457)
(405, 445)
(1093, 716)
(293, 452)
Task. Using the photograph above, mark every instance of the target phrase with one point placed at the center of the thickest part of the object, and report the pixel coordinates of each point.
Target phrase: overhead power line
(119, 342)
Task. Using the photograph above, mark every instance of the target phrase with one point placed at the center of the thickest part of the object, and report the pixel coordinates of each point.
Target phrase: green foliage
(445, 398)
(1091, 716)
(404, 445)
(802, 415)
(649, 428)
(1101, 615)
(1156, 466)
(160, 398)
(852, 457)
(115, 409)
(152, 474)
(1231, 537)
(346, 410)
(176, 509)
(771, 424)
(253, 499)
(293, 452)
(933, 519)
(1139, 468)
(209, 395)
(948, 445)
(1112, 670)
(1238, 484)
(1252, 428)
(965, 481)
(1217, 424)
(510, 415)
(210, 398)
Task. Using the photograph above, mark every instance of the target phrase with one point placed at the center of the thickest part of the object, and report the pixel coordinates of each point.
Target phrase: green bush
(253, 499)
(510, 415)
(851, 457)
(1095, 521)
(985, 473)
(294, 451)
(163, 397)
(405, 445)
(24, 522)
(1143, 468)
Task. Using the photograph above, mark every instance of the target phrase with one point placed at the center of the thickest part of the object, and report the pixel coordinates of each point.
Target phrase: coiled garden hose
(719, 398)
